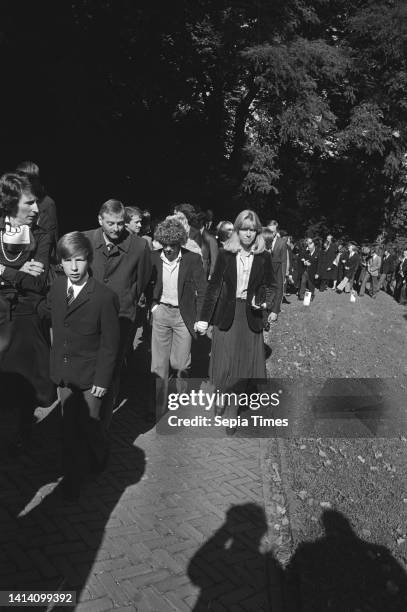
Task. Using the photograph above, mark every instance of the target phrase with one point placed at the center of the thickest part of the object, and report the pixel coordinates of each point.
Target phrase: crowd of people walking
(70, 307)
(345, 267)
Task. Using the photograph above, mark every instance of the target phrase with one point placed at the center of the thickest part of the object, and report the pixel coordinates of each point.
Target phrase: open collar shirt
(170, 279)
(244, 262)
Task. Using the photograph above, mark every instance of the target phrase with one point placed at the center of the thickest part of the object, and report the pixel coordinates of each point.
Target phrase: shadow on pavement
(341, 572)
(47, 543)
(18, 402)
(231, 570)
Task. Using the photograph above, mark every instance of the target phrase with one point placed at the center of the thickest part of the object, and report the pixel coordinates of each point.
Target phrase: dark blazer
(388, 264)
(220, 299)
(352, 266)
(279, 254)
(210, 251)
(48, 217)
(126, 269)
(85, 334)
(326, 269)
(279, 264)
(191, 285)
(313, 259)
(27, 289)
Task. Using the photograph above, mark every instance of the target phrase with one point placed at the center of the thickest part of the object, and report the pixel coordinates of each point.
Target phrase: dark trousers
(400, 292)
(84, 441)
(307, 282)
(127, 331)
(325, 283)
(385, 282)
(279, 277)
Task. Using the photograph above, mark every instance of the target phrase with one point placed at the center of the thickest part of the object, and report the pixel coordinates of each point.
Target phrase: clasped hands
(201, 327)
(34, 268)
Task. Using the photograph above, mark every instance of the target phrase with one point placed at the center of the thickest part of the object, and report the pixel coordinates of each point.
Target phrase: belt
(169, 305)
(241, 300)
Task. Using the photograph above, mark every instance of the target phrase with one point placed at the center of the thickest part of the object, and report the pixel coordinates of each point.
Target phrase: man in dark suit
(326, 269)
(122, 262)
(279, 266)
(207, 242)
(351, 268)
(401, 279)
(387, 270)
(209, 223)
(310, 268)
(178, 288)
(84, 317)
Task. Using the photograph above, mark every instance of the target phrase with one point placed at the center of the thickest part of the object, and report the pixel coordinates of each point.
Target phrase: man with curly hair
(178, 289)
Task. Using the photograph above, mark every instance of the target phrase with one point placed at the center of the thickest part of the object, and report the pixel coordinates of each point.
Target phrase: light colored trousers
(170, 346)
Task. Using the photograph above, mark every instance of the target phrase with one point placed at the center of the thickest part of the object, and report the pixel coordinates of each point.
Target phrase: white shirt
(76, 288)
(244, 262)
(170, 279)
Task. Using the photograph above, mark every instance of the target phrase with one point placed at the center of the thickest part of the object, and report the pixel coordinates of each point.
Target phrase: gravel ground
(346, 495)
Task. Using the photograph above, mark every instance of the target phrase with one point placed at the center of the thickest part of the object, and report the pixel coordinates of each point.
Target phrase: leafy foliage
(297, 107)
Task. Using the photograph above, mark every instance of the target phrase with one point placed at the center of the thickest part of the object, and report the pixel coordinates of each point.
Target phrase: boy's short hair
(132, 211)
(72, 244)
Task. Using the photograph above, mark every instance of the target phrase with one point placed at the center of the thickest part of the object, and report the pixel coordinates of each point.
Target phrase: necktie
(70, 296)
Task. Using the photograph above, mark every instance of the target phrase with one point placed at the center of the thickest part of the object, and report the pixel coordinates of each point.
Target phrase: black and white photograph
(203, 305)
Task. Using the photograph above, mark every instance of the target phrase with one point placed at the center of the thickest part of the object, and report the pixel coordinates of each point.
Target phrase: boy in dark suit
(85, 323)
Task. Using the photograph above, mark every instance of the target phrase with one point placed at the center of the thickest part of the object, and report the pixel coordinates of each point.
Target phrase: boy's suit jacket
(85, 335)
(191, 285)
(220, 299)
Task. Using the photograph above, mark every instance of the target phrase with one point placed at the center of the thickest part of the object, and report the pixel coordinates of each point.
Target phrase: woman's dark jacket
(220, 299)
(21, 289)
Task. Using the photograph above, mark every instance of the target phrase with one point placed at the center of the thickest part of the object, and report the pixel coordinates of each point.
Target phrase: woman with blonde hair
(240, 287)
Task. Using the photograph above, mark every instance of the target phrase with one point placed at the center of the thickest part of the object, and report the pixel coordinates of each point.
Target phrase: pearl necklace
(9, 259)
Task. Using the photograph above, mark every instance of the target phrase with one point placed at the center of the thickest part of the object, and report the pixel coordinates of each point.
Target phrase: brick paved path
(176, 523)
